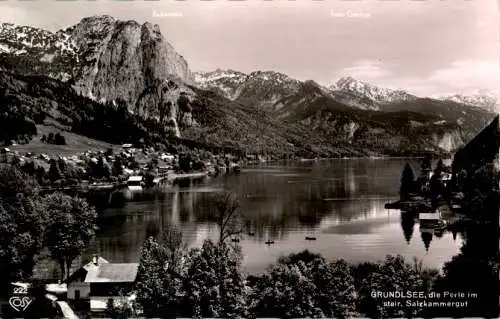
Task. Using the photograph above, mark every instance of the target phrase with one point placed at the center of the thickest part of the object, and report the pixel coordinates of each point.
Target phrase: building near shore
(99, 281)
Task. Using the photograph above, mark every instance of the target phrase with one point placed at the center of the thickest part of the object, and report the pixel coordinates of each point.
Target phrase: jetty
(191, 176)
(170, 177)
(82, 187)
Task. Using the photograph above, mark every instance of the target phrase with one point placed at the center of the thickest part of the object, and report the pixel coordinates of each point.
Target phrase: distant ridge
(102, 76)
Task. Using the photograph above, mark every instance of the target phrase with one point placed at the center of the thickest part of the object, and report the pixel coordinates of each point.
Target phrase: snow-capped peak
(375, 93)
(481, 98)
(17, 39)
(265, 86)
(219, 74)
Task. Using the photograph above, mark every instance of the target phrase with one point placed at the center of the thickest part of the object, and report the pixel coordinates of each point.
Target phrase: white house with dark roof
(77, 287)
(99, 280)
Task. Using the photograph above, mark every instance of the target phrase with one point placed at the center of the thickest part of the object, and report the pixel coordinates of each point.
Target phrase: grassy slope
(75, 143)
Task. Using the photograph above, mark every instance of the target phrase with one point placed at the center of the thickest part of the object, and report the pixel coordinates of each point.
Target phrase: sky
(427, 47)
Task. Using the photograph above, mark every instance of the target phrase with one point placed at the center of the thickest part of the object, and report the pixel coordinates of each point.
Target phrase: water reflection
(339, 202)
(408, 225)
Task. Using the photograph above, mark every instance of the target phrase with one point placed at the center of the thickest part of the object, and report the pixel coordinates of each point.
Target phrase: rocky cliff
(123, 58)
(103, 58)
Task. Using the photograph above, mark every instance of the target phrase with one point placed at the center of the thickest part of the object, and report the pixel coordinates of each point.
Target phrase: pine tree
(439, 167)
(54, 171)
(407, 182)
(426, 165)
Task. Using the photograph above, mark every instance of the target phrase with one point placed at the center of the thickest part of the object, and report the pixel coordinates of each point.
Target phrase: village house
(127, 146)
(99, 280)
(429, 219)
(135, 181)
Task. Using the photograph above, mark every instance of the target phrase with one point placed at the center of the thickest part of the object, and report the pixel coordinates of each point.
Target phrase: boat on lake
(310, 238)
(269, 242)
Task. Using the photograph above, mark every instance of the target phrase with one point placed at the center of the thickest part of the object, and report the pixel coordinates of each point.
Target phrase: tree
(185, 162)
(171, 238)
(294, 258)
(103, 168)
(50, 138)
(393, 274)
(109, 152)
(15, 161)
(149, 178)
(480, 198)
(63, 167)
(14, 184)
(117, 167)
(335, 291)
(41, 176)
(407, 182)
(59, 139)
(459, 180)
(28, 168)
(224, 211)
(153, 163)
(436, 188)
(54, 171)
(331, 291)
(133, 164)
(439, 167)
(184, 103)
(215, 284)
(120, 309)
(7, 141)
(99, 169)
(152, 290)
(475, 270)
(71, 227)
(22, 224)
(69, 170)
(284, 292)
(426, 165)
(160, 280)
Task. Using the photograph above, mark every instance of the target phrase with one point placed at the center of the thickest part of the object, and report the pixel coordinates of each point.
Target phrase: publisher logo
(20, 303)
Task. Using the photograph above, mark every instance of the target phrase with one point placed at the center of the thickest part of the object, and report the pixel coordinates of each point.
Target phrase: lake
(340, 202)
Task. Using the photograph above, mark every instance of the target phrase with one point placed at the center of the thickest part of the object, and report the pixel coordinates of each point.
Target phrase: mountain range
(80, 76)
(482, 98)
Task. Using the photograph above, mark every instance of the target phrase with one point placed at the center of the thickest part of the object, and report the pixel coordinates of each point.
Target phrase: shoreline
(305, 160)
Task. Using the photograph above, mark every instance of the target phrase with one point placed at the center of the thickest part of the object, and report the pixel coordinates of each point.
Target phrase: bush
(59, 139)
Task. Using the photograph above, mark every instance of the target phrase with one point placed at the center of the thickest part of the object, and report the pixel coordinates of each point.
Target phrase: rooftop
(428, 216)
(135, 178)
(126, 272)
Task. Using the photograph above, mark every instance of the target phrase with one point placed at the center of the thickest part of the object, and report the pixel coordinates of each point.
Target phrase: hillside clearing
(75, 144)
